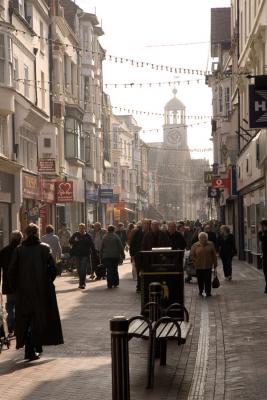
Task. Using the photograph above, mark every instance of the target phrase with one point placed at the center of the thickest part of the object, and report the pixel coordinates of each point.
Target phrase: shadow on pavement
(13, 366)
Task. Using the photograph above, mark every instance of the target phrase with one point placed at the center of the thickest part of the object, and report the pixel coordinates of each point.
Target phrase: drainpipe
(35, 51)
(240, 205)
(50, 66)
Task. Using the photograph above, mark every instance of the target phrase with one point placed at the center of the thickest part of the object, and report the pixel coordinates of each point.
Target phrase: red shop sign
(64, 191)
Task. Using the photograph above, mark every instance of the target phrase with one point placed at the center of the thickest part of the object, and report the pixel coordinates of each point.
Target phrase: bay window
(74, 139)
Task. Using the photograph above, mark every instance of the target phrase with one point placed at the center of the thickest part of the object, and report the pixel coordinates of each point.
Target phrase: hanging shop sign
(220, 183)
(46, 165)
(30, 188)
(116, 198)
(64, 191)
(33, 214)
(106, 195)
(91, 192)
(48, 190)
(258, 103)
(213, 193)
(208, 175)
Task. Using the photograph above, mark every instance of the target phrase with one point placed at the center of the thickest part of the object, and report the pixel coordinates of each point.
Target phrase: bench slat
(169, 330)
(185, 328)
(139, 328)
(164, 330)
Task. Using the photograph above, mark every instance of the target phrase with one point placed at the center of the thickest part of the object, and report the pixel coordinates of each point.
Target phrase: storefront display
(254, 205)
(6, 200)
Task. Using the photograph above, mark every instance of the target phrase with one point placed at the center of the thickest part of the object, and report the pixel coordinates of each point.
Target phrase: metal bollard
(120, 358)
(155, 289)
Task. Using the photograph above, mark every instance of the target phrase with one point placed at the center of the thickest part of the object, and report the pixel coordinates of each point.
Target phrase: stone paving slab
(81, 368)
(224, 357)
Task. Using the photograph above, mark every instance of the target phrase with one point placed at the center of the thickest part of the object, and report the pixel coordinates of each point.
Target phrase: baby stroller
(4, 339)
(189, 267)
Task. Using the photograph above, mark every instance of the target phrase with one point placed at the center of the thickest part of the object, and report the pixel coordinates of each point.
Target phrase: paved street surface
(225, 356)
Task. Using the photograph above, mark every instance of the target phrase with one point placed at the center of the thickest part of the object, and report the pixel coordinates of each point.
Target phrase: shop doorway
(5, 224)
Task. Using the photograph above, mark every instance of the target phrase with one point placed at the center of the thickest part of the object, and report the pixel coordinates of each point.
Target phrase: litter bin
(166, 267)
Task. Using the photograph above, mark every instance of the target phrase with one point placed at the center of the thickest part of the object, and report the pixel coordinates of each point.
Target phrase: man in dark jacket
(82, 248)
(111, 251)
(177, 240)
(121, 232)
(212, 237)
(31, 275)
(227, 250)
(263, 240)
(5, 258)
(155, 238)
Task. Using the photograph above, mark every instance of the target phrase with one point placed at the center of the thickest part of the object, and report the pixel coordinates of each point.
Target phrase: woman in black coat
(227, 250)
(31, 275)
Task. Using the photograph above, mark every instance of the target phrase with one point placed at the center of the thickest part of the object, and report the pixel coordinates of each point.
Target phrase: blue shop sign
(91, 193)
(106, 195)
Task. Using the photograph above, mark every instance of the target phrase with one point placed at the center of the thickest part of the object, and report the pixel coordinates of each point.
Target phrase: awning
(129, 210)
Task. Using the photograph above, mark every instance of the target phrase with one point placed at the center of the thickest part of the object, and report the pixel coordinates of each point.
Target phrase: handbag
(215, 282)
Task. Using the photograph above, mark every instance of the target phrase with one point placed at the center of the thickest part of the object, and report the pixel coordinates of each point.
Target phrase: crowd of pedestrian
(29, 265)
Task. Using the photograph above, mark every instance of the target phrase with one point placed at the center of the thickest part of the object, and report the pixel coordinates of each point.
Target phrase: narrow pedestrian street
(224, 356)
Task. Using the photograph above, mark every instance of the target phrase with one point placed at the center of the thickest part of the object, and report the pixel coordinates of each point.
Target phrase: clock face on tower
(173, 138)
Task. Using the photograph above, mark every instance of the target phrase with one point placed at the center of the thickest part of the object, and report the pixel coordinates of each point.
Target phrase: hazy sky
(140, 29)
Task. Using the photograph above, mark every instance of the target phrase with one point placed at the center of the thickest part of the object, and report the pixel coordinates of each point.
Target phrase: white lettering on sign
(260, 106)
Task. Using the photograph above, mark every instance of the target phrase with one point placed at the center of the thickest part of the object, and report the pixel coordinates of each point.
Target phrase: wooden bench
(159, 332)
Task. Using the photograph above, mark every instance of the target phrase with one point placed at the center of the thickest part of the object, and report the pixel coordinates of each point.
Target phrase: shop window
(74, 139)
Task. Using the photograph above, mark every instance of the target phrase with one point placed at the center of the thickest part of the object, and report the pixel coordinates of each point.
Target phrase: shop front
(69, 203)
(254, 208)
(29, 211)
(106, 198)
(251, 202)
(47, 206)
(6, 201)
(91, 198)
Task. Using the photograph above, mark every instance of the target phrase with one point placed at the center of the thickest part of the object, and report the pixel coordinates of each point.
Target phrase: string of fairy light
(120, 59)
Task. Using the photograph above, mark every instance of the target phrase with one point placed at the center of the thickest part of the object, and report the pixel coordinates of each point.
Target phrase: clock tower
(174, 129)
